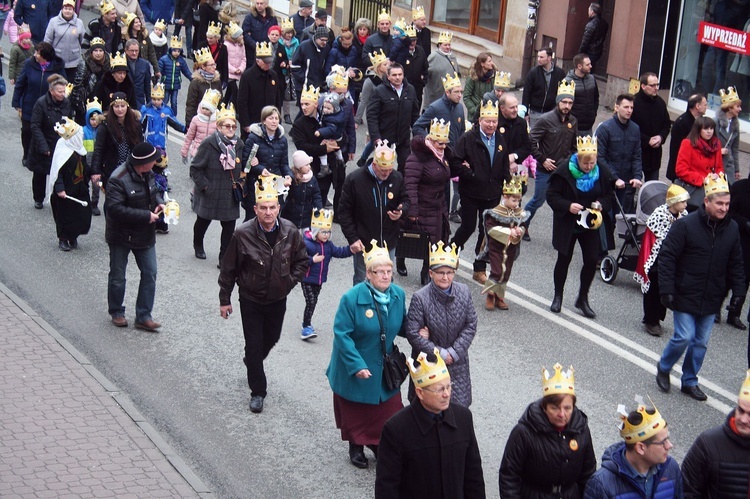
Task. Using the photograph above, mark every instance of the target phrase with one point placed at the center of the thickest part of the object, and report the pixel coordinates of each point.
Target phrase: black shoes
(256, 404)
(401, 267)
(694, 392)
(736, 322)
(200, 254)
(357, 456)
(582, 303)
(64, 245)
(662, 380)
(38, 205)
(556, 303)
(287, 119)
(95, 211)
(526, 236)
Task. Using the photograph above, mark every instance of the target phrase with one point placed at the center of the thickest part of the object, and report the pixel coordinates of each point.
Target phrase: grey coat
(452, 322)
(214, 199)
(731, 140)
(66, 37)
(438, 65)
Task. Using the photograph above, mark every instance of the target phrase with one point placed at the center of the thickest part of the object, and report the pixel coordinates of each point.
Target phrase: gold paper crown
(265, 190)
(321, 219)
(67, 128)
(97, 41)
(450, 82)
(489, 109)
(160, 24)
(225, 112)
(287, 24)
(162, 161)
(728, 96)
(128, 18)
(586, 145)
(106, 6)
(118, 59)
(263, 49)
(384, 15)
(439, 255)
(427, 373)
(214, 29)
(172, 212)
(745, 388)
(418, 13)
(93, 104)
(560, 383)
(212, 97)
(411, 31)
(377, 58)
(376, 255)
(385, 156)
(439, 130)
(157, 91)
(590, 218)
(445, 37)
(566, 87)
(202, 56)
(676, 194)
(400, 23)
(72, 3)
(69, 89)
(339, 78)
(651, 424)
(715, 183)
(310, 94)
(175, 43)
(233, 29)
(515, 186)
(502, 79)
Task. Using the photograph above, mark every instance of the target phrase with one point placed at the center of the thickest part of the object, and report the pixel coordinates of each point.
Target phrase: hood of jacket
(59, 19)
(535, 418)
(259, 130)
(197, 76)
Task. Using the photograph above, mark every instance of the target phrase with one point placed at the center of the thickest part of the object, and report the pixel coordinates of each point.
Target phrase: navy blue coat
(140, 73)
(348, 58)
(302, 198)
(445, 109)
(170, 69)
(32, 84)
(315, 73)
(619, 148)
(154, 10)
(36, 13)
(317, 273)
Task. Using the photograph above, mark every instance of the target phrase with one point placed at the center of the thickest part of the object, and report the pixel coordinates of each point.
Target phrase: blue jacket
(317, 273)
(447, 110)
(255, 29)
(36, 13)
(155, 123)
(140, 73)
(399, 50)
(32, 84)
(619, 148)
(154, 10)
(315, 73)
(356, 344)
(170, 69)
(614, 479)
(89, 132)
(333, 124)
(302, 198)
(337, 55)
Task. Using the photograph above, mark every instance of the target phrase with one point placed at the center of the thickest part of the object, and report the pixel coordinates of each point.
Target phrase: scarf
(381, 298)
(439, 153)
(362, 39)
(228, 156)
(487, 76)
(708, 149)
(584, 181)
(207, 76)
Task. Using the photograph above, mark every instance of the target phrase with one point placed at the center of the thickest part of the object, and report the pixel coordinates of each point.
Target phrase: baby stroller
(630, 228)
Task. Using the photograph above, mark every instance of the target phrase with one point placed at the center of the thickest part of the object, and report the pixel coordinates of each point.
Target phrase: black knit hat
(143, 153)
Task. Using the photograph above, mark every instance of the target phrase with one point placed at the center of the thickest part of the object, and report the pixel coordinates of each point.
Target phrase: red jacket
(692, 166)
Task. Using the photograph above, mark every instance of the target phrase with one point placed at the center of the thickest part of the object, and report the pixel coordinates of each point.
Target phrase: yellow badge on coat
(273, 82)
(573, 445)
(33, 6)
(502, 129)
(73, 31)
(408, 62)
(390, 195)
(499, 148)
(369, 313)
(570, 126)
(177, 64)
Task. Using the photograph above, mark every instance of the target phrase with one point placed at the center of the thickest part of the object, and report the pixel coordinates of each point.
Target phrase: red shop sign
(723, 38)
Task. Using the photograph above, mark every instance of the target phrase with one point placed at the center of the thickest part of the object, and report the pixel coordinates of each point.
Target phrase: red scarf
(708, 149)
(362, 39)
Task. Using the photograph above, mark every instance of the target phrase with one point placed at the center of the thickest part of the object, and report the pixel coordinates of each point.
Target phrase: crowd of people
(96, 103)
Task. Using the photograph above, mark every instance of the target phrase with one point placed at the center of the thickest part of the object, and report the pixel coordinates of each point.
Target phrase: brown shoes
(500, 303)
(480, 276)
(120, 321)
(489, 303)
(147, 325)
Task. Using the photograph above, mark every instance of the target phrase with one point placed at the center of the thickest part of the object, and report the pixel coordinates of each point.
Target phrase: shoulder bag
(394, 363)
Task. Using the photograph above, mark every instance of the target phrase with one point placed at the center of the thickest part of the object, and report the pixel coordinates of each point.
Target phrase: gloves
(667, 301)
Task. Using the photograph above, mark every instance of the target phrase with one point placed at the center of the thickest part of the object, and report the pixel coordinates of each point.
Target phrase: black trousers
(39, 186)
(201, 226)
(653, 311)
(589, 243)
(471, 215)
(261, 325)
(25, 137)
(310, 292)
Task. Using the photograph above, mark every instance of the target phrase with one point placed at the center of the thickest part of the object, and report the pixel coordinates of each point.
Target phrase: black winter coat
(309, 62)
(107, 87)
(46, 113)
(95, 30)
(537, 95)
(594, 35)
(196, 90)
(553, 138)
(391, 117)
(680, 131)
(586, 102)
(302, 198)
(303, 135)
(257, 89)
(416, 70)
(482, 180)
(516, 135)
(651, 115)
(697, 260)
(537, 457)
(739, 210)
(32, 84)
(88, 75)
(105, 159)
(717, 465)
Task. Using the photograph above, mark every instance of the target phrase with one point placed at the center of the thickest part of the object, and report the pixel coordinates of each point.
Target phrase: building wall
(626, 38)
(515, 33)
(562, 21)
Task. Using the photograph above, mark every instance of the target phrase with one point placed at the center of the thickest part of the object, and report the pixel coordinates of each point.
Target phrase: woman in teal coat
(361, 401)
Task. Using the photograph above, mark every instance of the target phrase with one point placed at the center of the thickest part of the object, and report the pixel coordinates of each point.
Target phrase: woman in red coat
(699, 155)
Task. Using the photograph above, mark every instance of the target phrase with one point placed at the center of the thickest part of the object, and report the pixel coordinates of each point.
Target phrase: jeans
(691, 332)
(188, 32)
(540, 193)
(118, 263)
(261, 325)
(170, 99)
(360, 271)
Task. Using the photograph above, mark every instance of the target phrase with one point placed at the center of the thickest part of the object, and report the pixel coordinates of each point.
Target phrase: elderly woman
(205, 77)
(728, 131)
(441, 315)
(115, 138)
(579, 195)
(65, 33)
(90, 71)
(480, 81)
(215, 170)
(426, 175)
(48, 110)
(549, 453)
(440, 62)
(699, 155)
(362, 402)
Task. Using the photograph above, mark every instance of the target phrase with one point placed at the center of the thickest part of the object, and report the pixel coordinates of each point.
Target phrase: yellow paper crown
(427, 373)
(502, 79)
(118, 59)
(225, 112)
(175, 43)
(385, 156)
(445, 37)
(651, 424)
(162, 161)
(69, 89)
(93, 104)
(745, 388)
(489, 109)
(157, 91)
(439, 130)
(411, 31)
(400, 23)
(715, 183)
(377, 58)
(72, 3)
(586, 145)
(128, 18)
(310, 94)
(676, 194)
(106, 6)
(265, 190)
(560, 383)
(450, 82)
(212, 97)
(728, 96)
(67, 128)
(287, 23)
(160, 24)
(567, 87)
(440, 256)
(172, 212)
(384, 15)
(202, 56)
(339, 78)
(97, 41)
(376, 255)
(214, 29)
(263, 49)
(515, 186)
(233, 29)
(321, 219)
(418, 13)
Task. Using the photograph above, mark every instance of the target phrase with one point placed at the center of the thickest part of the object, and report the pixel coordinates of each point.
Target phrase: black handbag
(413, 242)
(238, 189)
(394, 363)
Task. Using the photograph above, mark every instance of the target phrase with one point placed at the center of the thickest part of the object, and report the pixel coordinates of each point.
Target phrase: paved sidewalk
(65, 430)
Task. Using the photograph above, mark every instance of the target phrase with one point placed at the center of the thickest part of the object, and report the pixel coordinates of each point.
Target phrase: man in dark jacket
(266, 258)
(309, 61)
(594, 34)
(259, 87)
(587, 94)
(391, 113)
(700, 255)
(448, 108)
(651, 115)
(106, 27)
(140, 72)
(540, 86)
(717, 465)
(696, 108)
(255, 27)
(424, 35)
(415, 68)
(339, 84)
(303, 18)
(381, 39)
(132, 207)
(514, 131)
(429, 448)
(36, 13)
(373, 199)
(321, 20)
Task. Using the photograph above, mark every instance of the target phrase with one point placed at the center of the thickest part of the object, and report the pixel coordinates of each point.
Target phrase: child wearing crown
(202, 125)
(173, 67)
(333, 122)
(504, 227)
(93, 112)
(236, 61)
(158, 39)
(155, 117)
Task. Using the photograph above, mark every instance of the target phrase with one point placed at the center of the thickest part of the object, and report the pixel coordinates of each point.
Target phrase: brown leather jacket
(264, 274)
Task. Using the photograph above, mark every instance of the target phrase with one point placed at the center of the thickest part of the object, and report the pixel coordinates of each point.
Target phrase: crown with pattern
(214, 29)
(715, 183)
(515, 186)
(489, 109)
(71, 3)
(287, 23)
(502, 80)
(400, 24)
(128, 18)
(67, 128)
(439, 130)
(212, 97)
(384, 15)
(418, 13)
(562, 383)
(265, 190)
(94, 104)
(118, 100)
(586, 145)
(225, 112)
(310, 94)
(202, 56)
(567, 87)
(106, 6)
(172, 212)
(160, 24)
(676, 194)
(118, 59)
(233, 29)
(263, 49)
(728, 96)
(377, 58)
(97, 41)
(321, 219)
(450, 82)
(338, 78)
(425, 373)
(445, 37)
(441, 257)
(651, 423)
(745, 388)
(385, 156)
(376, 255)
(157, 91)
(175, 43)
(410, 31)
(69, 89)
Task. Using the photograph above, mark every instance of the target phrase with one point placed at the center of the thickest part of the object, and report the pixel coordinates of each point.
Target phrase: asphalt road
(189, 379)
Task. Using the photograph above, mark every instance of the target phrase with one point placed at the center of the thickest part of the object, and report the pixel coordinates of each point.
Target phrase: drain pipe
(528, 46)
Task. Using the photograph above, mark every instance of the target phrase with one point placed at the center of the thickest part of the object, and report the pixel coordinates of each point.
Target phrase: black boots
(357, 456)
(424, 275)
(556, 303)
(735, 309)
(401, 267)
(199, 252)
(582, 303)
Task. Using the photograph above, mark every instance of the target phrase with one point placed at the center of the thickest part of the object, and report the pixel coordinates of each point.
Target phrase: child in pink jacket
(236, 61)
(201, 126)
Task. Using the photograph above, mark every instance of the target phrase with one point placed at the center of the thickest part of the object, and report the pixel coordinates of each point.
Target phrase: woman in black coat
(577, 185)
(48, 110)
(115, 138)
(91, 70)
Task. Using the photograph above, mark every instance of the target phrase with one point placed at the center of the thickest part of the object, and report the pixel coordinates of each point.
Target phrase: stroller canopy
(652, 194)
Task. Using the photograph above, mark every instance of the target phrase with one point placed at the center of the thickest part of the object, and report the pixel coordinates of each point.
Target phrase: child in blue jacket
(93, 112)
(155, 117)
(171, 65)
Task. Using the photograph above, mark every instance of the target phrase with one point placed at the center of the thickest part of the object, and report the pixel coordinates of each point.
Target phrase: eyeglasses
(444, 273)
(441, 390)
(325, 232)
(382, 273)
(663, 443)
(229, 126)
(652, 84)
